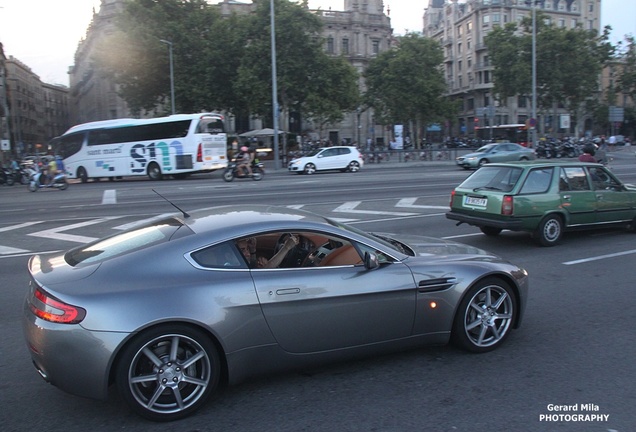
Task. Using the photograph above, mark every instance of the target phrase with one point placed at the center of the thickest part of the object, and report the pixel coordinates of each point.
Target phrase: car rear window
(499, 178)
(537, 181)
(127, 241)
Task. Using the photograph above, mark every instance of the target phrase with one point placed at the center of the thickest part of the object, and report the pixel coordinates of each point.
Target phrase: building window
(459, 48)
(561, 22)
(573, 23)
(345, 46)
(485, 20)
(459, 66)
(469, 26)
(591, 7)
(376, 46)
(330, 45)
(522, 102)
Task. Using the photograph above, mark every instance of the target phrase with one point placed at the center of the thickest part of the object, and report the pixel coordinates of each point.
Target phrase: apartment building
(460, 26)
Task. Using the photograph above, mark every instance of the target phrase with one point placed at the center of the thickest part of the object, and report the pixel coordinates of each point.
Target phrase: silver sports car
(171, 310)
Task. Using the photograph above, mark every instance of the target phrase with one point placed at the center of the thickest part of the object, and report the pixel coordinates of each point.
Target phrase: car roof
(237, 220)
(544, 163)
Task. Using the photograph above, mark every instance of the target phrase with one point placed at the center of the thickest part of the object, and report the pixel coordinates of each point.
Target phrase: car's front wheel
(168, 372)
(309, 168)
(482, 162)
(550, 230)
(354, 166)
(485, 316)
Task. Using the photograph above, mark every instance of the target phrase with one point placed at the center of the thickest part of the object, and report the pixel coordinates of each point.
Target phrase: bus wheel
(82, 174)
(154, 172)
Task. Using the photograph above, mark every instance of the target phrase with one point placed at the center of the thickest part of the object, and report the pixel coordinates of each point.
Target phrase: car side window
(538, 181)
(601, 180)
(344, 151)
(575, 179)
(223, 255)
(329, 152)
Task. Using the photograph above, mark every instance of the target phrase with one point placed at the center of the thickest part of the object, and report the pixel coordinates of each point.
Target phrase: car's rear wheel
(550, 230)
(309, 168)
(354, 166)
(485, 316)
(490, 231)
(168, 372)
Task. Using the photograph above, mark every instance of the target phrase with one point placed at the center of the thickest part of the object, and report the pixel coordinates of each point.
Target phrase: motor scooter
(6, 177)
(38, 181)
(232, 171)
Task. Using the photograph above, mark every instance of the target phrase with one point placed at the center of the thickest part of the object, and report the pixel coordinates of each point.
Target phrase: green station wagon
(543, 198)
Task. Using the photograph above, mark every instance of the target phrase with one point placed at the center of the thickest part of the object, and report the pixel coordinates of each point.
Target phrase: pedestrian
(588, 153)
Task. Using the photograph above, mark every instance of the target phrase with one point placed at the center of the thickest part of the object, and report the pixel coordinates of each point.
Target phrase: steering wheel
(297, 256)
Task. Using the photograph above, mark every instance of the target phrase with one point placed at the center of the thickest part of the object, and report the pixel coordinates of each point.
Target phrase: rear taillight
(200, 153)
(507, 206)
(48, 308)
(452, 198)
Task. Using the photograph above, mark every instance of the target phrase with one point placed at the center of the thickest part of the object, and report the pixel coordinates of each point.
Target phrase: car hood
(435, 247)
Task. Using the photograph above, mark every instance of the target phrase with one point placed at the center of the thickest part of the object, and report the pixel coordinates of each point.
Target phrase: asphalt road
(575, 347)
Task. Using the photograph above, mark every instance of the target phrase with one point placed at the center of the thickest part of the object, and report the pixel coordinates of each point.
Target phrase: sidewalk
(397, 160)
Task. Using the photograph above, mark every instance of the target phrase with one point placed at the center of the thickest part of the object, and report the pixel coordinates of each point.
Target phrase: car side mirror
(371, 261)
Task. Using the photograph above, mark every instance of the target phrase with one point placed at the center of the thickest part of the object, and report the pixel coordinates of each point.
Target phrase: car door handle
(287, 291)
(567, 197)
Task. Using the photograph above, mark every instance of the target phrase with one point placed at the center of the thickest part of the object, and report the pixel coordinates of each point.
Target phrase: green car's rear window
(126, 242)
(498, 178)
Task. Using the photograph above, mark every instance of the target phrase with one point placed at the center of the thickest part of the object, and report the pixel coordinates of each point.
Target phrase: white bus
(178, 145)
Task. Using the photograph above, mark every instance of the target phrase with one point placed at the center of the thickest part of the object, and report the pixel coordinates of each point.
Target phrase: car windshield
(486, 148)
(125, 242)
(314, 152)
(498, 178)
(389, 243)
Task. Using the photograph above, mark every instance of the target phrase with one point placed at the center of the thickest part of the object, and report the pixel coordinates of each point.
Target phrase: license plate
(475, 202)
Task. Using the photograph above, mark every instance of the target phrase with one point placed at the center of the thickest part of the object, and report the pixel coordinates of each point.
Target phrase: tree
(406, 84)
(562, 78)
(308, 80)
(205, 55)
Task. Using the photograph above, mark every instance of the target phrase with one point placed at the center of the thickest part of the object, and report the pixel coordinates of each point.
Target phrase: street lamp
(171, 73)
(274, 85)
(533, 120)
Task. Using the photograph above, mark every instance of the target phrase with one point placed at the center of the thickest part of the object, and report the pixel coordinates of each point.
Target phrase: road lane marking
(350, 207)
(6, 250)
(410, 203)
(109, 197)
(600, 257)
(56, 233)
(22, 225)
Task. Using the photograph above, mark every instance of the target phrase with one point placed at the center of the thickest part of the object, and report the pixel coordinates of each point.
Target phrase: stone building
(460, 26)
(359, 32)
(93, 95)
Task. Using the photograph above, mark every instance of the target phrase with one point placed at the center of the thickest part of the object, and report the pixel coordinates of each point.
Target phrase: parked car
(496, 152)
(543, 198)
(343, 158)
(171, 310)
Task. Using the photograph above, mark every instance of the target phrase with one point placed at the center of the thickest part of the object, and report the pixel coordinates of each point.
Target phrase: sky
(44, 34)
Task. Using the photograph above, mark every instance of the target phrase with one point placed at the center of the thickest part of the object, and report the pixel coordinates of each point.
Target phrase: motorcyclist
(244, 161)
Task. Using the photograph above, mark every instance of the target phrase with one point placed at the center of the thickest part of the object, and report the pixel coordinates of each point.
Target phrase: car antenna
(185, 215)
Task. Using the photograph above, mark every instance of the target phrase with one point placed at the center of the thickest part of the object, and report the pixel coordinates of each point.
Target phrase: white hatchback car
(341, 158)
